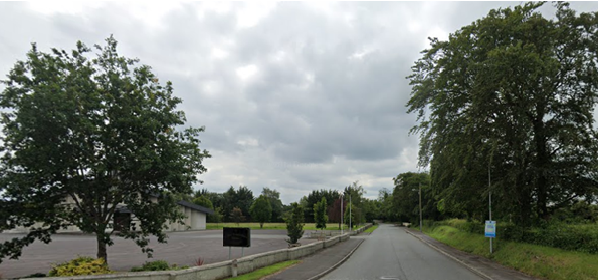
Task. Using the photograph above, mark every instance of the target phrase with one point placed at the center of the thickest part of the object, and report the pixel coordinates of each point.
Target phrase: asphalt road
(391, 253)
(182, 248)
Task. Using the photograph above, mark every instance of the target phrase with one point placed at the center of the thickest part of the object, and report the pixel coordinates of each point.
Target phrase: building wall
(195, 220)
(199, 220)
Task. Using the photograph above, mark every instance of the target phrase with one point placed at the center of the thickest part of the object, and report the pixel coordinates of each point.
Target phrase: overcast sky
(294, 96)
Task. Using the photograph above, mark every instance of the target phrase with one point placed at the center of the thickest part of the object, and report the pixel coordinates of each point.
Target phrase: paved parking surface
(182, 248)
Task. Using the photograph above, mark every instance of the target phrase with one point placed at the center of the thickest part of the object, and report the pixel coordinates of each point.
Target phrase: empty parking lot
(182, 248)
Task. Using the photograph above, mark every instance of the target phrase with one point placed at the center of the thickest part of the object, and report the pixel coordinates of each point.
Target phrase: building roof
(196, 207)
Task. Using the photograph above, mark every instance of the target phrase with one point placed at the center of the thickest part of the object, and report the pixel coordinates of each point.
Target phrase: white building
(195, 219)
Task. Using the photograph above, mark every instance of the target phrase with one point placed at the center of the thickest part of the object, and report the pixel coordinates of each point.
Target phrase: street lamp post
(341, 197)
(350, 212)
(420, 202)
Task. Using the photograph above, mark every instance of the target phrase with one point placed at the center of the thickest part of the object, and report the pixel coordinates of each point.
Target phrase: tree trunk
(101, 249)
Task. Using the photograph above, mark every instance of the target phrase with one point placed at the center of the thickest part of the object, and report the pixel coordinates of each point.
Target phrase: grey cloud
(313, 116)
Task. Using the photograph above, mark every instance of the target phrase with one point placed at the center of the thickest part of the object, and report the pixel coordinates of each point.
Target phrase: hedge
(583, 237)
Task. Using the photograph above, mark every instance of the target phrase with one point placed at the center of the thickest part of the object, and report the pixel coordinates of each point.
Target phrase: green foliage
(83, 132)
(371, 229)
(203, 201)
(539, 261)
(406, 198)
(158, 265)
(261, 210)
(236, 215)
(320, 214)
(515, 92)
(266, 271)
(583, 237)
(80, 266)
(316, 196)
(349, 216)
(277, 208)
(294, 223)
(217, 216)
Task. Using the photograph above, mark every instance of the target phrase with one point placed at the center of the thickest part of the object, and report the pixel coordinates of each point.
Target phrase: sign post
(237, 237)
(490, 232)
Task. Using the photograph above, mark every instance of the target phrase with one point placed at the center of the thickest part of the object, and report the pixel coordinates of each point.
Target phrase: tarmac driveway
(183, 248)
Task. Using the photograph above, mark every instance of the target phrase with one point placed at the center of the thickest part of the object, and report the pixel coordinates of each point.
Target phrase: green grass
(331, 226)
(371, 229)
(539, 261)
(265, 271)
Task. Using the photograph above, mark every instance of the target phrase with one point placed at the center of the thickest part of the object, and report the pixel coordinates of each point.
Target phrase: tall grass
(539, 261)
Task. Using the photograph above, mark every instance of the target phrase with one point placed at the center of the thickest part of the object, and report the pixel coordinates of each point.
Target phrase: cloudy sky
(294, 96)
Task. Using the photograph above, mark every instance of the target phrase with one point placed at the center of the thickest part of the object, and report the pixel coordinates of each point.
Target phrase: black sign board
(237, 237)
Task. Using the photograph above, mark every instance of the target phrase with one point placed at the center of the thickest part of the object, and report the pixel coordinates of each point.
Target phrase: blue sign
(489, 228)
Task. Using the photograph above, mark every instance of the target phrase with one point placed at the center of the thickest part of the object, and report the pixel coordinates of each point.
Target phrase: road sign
(489, 228)
(237, 237)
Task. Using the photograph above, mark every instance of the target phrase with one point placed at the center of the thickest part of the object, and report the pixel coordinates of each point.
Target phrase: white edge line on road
(474, 270)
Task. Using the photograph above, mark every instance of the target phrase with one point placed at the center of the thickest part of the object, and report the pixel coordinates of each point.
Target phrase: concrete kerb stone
(471, 268)
(337, 264)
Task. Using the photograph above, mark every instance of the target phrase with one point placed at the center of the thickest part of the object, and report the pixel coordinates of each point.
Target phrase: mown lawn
(539, 261)
(332, 226)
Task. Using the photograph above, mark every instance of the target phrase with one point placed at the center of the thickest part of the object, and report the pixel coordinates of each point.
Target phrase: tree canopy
(513, 93)
(320, 216)
(261, 210)
(274, 197)
(86, 135)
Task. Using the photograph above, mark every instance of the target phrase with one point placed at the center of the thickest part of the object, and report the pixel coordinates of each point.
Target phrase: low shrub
(80, 266)
(158, 265)
(556, 234)
(199, 261)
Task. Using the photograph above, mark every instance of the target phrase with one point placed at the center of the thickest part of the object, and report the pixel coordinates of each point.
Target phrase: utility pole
(350, 212)
(342, 197)
(420, 202)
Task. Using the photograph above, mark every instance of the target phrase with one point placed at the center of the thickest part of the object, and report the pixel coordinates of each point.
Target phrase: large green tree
(274, 197)
(84, 135)
(261, 210)
(513, 93)
(409, 186)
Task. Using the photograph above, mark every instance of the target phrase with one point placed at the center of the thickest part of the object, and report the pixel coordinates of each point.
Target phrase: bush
(158, 265)
(80, 266)
(582, 237)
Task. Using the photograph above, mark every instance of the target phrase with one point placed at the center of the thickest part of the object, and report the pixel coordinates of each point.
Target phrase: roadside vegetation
(266, 271)
(536, 260)
(371, 229)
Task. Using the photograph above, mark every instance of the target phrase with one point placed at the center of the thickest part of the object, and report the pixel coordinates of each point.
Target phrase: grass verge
(331, 226)
(371, 229)
(539, 261)
(265, 271)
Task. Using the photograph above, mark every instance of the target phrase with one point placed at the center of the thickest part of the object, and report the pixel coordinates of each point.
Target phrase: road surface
(391, 253)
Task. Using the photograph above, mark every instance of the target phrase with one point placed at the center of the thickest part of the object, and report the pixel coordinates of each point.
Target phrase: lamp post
(341, 197)
(350, 212)
(420, 202)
